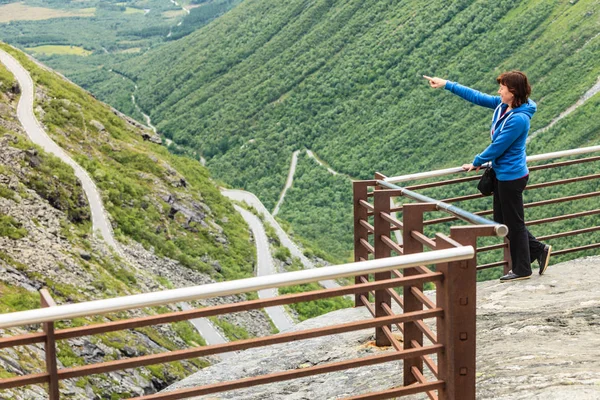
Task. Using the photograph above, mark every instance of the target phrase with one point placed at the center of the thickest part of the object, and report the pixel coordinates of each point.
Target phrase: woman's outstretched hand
(469, 167)
(435, 82)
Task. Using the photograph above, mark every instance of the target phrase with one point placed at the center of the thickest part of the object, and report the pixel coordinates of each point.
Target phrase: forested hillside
(83, 39)
(343, 78)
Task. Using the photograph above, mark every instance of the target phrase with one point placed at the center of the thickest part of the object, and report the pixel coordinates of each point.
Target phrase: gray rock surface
(536, 339)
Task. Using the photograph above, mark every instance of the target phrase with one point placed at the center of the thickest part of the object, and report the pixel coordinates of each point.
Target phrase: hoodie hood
(528, 108)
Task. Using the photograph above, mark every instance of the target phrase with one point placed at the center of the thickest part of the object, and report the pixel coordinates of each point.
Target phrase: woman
(510, 126)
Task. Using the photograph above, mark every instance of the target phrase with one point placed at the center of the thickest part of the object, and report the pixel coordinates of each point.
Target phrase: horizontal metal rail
(89, 308)
(476, 177)
(530, 205)
(499, 229)
(294, 374)
(219, 310)
(75, 372)
(454, 170)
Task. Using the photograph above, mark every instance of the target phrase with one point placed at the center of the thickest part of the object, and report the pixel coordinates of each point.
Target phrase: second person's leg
(510, 195)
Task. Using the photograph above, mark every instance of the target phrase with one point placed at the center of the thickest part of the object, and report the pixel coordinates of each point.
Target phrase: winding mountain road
(288, 182)
(265, 266)
(100, 222)
(38, 136)
(252, 200)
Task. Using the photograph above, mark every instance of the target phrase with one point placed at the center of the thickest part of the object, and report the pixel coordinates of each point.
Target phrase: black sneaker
(511, 276)
(544, 258)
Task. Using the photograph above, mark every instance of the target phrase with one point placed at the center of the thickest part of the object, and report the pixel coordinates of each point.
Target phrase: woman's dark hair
(517, 84)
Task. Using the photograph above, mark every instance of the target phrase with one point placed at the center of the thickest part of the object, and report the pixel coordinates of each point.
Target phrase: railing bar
(401, 391)
(25, 380)
(366, 280)
(177, 355)
(463, 198)
(135, 301)
(242, 306)
(454, 170)
(388, 310)
(392, 245)
(428, 332)
(398, 224)
(367, 246)
(419, 377)
(397, 273)
(529, 187)
(474, 178)
(495, 264)
(422, 298)
(428, 360)
(366, 205)
(422, 269)
(293, 374)
(528, 205)
(424, 240)
(575, 249)
(562, 181)
(22, 340)
(368, 304)
(396, 297)
(569, 233)
(499, 229)
(494, 247)
(564, 163)
(367, 226)
(395, 343)
(444, 183)
(562, 199)
(562, 217)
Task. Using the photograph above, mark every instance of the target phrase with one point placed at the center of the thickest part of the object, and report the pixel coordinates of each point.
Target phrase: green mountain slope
(343, 78)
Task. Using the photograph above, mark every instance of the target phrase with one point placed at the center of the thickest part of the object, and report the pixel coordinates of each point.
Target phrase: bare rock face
(536, 339)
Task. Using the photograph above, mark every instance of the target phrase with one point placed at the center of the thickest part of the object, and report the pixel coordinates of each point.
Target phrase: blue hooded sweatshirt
(509, 133)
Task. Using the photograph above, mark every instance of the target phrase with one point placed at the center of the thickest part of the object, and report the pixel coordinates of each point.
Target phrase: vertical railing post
(381, 203)
(412, 219)
(507, 258)
(360, 190)
(457, 295)
(50, 348)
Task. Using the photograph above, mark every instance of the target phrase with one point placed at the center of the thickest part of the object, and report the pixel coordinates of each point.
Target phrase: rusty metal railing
(576, 207)
(375, 221)
(448, 257)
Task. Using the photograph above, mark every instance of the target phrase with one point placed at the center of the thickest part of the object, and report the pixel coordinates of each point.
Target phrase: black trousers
(508, 210)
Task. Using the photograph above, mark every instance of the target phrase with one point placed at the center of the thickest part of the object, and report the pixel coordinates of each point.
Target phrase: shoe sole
(545, 266)
(521, 278)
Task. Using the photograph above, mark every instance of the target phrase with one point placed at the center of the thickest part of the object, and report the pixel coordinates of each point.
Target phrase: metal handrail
(500, 229)
(104, 306)
(454, 170)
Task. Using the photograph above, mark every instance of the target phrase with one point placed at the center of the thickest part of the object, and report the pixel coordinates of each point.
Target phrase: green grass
(138, 208)
(61, 50)
(17, 299)
(11, 228)
(312, 309)
(232, 332)
(189, 334)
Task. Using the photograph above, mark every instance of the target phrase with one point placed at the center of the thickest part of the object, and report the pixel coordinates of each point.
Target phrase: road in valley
(100, 222)
(38, 136)
(252, 200)
(265, 266)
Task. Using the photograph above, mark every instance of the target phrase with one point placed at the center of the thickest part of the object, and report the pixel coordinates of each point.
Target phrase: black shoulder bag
(486, 182)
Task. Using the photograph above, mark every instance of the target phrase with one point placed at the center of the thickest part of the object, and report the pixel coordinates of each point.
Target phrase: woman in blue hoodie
(510, 126)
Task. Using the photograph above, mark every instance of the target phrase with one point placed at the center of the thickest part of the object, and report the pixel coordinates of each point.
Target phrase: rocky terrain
(46, 240)
(536, 339)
